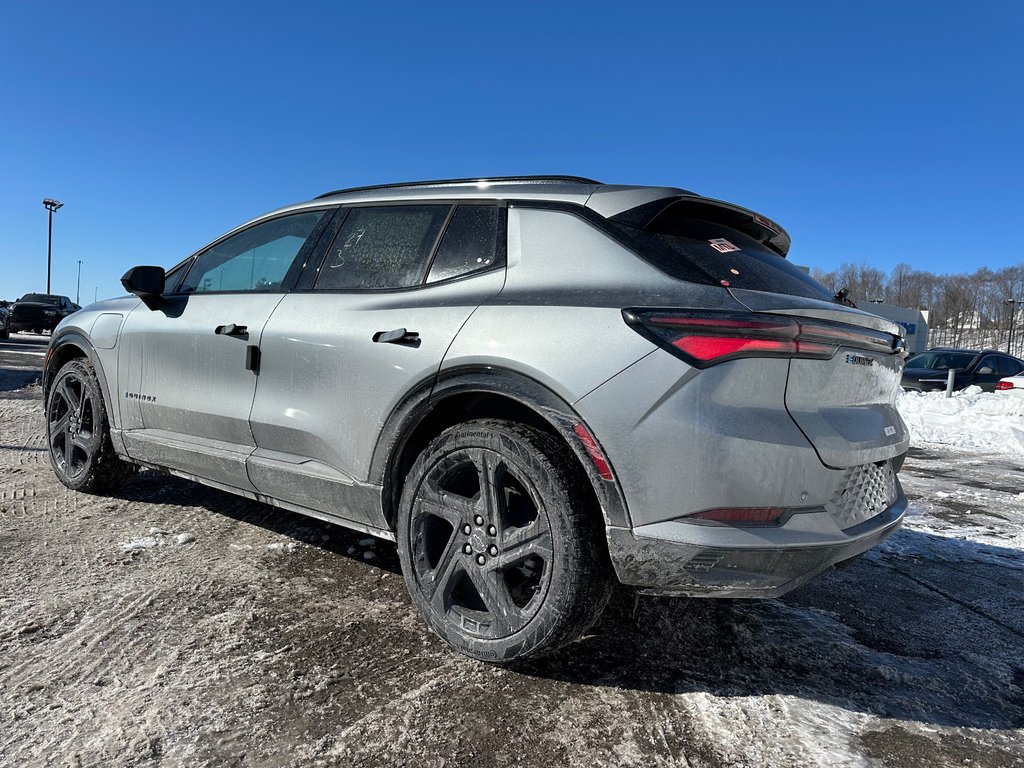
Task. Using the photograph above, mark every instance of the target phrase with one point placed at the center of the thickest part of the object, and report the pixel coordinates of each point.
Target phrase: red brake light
(1004, 385)
(707, 338)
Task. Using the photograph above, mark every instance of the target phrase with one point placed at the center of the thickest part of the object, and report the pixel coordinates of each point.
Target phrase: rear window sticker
(722, 245)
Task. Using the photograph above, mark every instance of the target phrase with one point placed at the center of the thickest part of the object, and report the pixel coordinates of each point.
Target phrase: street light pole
(78, 286)
(51, 205)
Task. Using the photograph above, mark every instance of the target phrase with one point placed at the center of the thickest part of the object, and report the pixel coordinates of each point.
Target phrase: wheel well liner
(469, 393)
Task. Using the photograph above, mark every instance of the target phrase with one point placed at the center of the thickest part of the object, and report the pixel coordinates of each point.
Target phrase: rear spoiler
(759, 227)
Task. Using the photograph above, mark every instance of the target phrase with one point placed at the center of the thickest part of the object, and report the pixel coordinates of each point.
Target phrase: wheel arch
(470, 393)
(69, 346)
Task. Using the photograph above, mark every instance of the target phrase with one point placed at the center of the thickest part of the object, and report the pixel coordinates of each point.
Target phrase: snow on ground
(970, 419)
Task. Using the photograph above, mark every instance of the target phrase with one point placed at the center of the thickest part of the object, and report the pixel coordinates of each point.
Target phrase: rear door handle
(396, 336)
(231, 330)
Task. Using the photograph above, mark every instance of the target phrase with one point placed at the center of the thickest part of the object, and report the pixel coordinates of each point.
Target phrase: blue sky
(876, 132)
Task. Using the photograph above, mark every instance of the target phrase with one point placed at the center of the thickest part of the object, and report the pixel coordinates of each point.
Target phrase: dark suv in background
(38, 312)
(927, 371)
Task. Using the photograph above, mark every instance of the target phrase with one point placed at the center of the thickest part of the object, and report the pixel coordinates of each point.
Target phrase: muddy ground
(172, 624)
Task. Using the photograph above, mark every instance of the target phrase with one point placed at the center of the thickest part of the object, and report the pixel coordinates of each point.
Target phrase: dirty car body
(535, 385)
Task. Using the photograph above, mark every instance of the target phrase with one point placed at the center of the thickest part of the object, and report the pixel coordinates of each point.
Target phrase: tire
(78, 432)
(510, 575)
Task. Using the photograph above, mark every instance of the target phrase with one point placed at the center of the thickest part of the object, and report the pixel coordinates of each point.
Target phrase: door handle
(396, 336)
(231, 330)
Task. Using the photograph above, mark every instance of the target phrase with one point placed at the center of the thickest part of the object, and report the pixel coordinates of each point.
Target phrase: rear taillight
(1004, 385)
(704, 338)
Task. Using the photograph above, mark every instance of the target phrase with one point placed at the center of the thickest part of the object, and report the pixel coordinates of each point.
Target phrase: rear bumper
(718, 561)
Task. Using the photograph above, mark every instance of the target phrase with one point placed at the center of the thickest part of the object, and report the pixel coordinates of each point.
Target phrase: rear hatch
(845, 405)
(842, 394)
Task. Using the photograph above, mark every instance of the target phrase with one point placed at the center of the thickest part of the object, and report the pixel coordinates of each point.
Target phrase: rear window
(699, 249)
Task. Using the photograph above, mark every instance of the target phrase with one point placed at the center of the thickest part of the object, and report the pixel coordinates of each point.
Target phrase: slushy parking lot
(173, 624)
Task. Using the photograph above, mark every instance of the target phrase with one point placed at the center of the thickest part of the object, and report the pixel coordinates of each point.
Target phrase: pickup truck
(38, 312)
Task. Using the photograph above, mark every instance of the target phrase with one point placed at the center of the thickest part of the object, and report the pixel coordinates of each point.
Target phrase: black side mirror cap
(145, 282)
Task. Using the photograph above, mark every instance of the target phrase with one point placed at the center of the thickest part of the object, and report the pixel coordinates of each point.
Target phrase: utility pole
(78, 287)
(51, 205)
(1012, 303)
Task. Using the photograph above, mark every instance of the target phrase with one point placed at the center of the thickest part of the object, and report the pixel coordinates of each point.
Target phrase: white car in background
(1012, 384)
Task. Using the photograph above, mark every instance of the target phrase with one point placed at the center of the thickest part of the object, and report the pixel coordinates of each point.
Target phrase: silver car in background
(535, 386)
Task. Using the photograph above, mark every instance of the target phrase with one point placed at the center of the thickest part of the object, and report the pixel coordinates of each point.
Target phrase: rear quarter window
(470, 243)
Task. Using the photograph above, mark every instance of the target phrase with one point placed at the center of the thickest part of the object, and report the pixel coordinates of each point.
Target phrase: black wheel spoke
(437, 583)
(448, 506)
(69, 452)
(83, 441)
(532, 541)
(506, 617)
(86, 406)
(68, 395)
(489, 466)
(59, 426)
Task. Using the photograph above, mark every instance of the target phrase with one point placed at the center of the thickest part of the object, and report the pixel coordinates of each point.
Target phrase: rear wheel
(78, 433)
(501, 546)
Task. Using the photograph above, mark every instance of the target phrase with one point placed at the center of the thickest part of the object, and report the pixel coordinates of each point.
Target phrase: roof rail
(487, 179)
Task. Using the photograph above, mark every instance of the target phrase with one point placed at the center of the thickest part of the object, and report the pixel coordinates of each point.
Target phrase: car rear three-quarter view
(535, 386)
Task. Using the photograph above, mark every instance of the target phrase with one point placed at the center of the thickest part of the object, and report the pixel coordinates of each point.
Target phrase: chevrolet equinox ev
(534, 386)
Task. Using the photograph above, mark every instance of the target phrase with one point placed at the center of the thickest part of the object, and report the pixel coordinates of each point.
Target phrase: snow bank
(970, 419)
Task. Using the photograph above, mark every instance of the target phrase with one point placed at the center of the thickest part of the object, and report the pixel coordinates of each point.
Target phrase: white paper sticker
(890, 431)
(722, 245)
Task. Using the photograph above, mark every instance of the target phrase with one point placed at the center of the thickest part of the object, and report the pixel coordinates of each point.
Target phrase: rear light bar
(750, 516)
(704, 338)
(1004, 385)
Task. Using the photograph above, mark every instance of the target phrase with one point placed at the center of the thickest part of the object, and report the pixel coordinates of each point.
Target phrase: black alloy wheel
(78, 434)
(499, 547)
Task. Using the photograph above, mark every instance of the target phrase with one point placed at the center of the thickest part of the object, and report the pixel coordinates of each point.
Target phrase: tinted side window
(1006, 366)
(382, 247)
(991, 361)
(256, 259)
(470, 243)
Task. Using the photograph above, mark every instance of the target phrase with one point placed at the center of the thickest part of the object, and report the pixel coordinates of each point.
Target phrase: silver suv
(534, 386)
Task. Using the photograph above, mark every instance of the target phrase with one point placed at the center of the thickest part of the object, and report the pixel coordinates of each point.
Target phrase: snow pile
(972, 419)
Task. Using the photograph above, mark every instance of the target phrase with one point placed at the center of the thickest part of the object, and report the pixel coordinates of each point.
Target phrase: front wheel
(78, 433)
(501, 543)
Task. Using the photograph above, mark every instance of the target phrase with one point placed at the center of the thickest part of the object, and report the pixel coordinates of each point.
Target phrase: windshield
(940, 361)
(42, 298)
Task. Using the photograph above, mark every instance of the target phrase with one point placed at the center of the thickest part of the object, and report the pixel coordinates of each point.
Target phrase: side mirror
(983, 371)
(145, 282)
